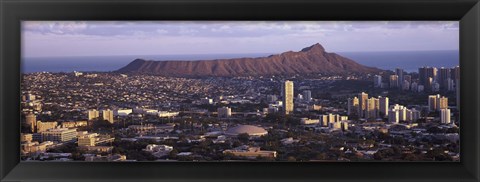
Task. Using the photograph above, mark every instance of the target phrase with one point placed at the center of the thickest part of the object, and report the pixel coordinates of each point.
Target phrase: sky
(108, 38)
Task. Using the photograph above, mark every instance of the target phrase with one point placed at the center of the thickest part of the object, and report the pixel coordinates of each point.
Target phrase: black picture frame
(12, 12)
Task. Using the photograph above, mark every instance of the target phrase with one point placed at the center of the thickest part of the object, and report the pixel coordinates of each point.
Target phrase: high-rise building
(432, 72)
(450, 85)
(432, 102)
(407, 78)
(428, 83)
(414, 87)
(435, 87)
(399, 73)
(371, 111)
(393, 116)
(437, 102)
(362, 104)
(402, 114)
(93, 114)
(394, 81)
(455, 73)
(383, 106)
(445, 116)
(31, 119)
(307, 95)
(377, 81)
(224, 112)
(415, 114)
(287, 88)
(352, 107)
(325, 119)
(422, 75)
(443, 78)
(406, 85)
(108, 115)
(409, 115)
(442, 103)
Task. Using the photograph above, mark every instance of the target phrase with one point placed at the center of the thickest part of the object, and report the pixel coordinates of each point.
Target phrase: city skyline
(306, 102)
(108, 38)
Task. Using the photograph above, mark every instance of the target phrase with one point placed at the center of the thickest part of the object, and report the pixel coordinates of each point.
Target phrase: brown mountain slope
(311, 59)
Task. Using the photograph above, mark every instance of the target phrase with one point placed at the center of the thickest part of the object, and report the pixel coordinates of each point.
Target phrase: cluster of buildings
(177, 113)
(379, 108)
(367, 108)
(429, 79)
(106, 115)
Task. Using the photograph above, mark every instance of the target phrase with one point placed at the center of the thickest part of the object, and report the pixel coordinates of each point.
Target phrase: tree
(173, 154)
(291, 159)
(243, 137)
(101, 124)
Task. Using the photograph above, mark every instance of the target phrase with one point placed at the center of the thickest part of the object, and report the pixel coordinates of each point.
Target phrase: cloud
(224, 28)
(57, 27)
(170, 37)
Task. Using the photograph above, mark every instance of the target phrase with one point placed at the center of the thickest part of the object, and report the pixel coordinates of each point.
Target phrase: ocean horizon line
(206, 54)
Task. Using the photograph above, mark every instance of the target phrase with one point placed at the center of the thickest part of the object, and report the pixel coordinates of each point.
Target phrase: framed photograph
(239, 90)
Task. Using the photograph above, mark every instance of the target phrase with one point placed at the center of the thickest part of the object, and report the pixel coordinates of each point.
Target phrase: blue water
(110, 63)
(409, 61)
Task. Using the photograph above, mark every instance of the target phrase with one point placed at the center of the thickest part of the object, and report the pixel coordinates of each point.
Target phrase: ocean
(410, 61)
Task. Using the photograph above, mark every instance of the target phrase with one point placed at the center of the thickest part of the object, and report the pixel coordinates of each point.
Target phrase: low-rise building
(34, 147)
(251, 152)
(44, 126)
(26, 137)
(59, 135)
(306, 121)
(74, 124)
(158, 150)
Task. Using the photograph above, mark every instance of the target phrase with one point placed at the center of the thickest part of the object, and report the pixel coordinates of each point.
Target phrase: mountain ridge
(312, 59)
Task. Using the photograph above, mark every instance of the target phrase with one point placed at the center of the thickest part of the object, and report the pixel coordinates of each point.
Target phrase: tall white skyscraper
(371, 110)
(362, 104)
(287, 88)
(445, 116)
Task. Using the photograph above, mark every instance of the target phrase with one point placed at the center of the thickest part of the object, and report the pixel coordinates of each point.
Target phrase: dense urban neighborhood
(391, 115)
